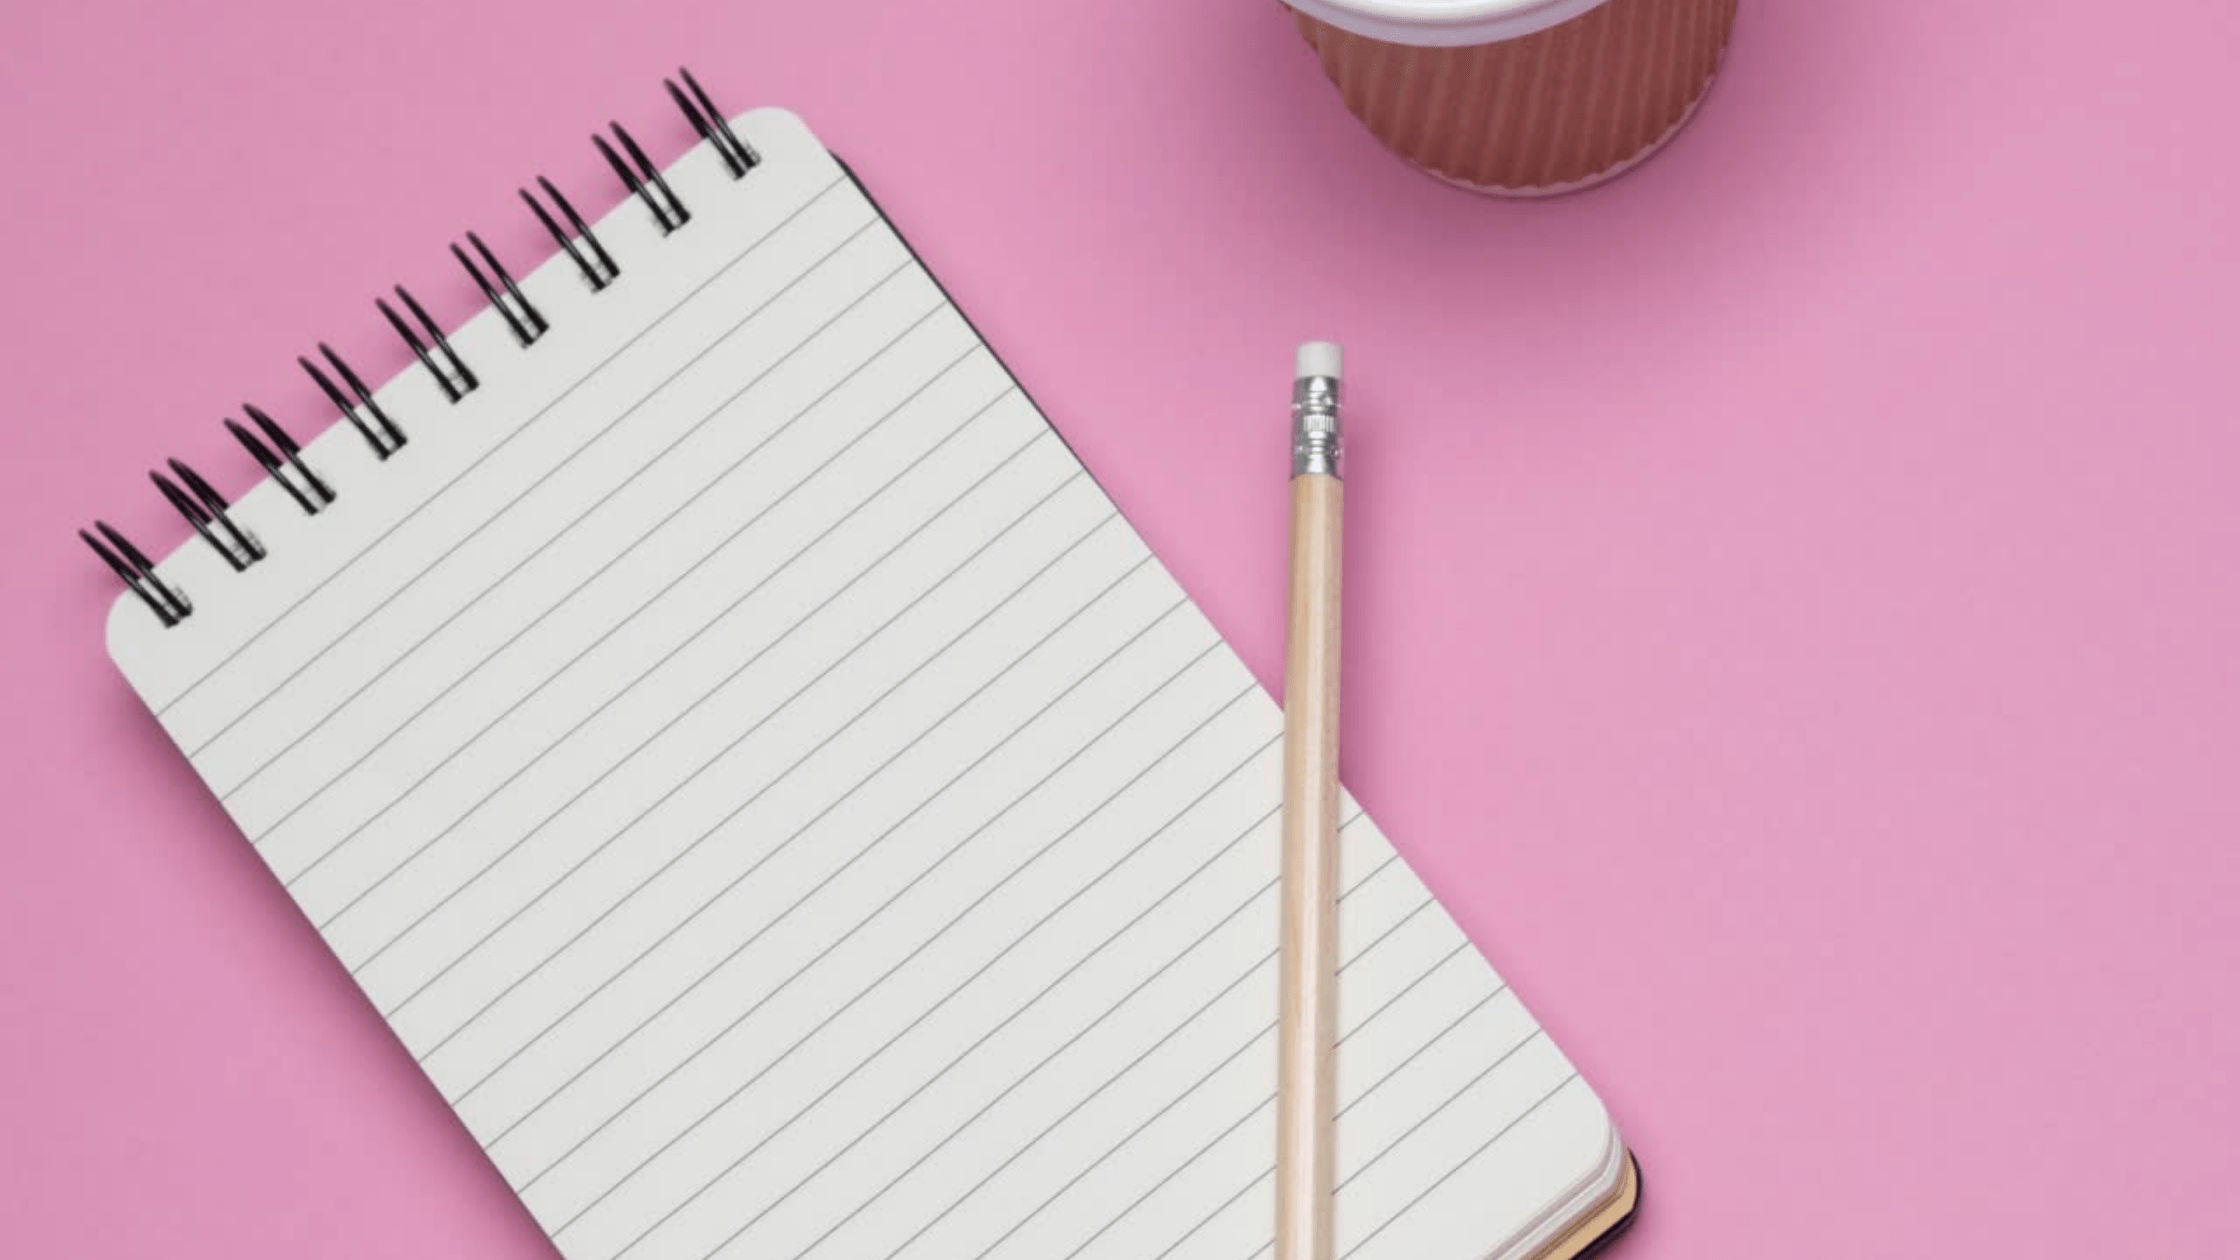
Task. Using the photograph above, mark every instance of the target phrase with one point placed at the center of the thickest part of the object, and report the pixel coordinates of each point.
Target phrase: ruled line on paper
(1156, 1116)
(875, 842)
(1467, 1160)
(1240, 1121)
(936, 1078)
(781, 568)
(1021, 1008)
(602, 570)
(344, 566)
(1110, 1080)
(974, 834)
(782, 775)
(735, 742)
(671, 862)
(551, 540)
(959, 845)
(1388, 1148)
(961, 915)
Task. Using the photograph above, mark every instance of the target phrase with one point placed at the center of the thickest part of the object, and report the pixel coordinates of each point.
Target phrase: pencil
(1306, 1079)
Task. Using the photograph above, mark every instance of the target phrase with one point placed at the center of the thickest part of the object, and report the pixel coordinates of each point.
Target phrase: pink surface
(1792, 593)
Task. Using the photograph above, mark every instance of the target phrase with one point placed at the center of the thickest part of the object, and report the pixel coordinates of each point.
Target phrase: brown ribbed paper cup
(1521, 98)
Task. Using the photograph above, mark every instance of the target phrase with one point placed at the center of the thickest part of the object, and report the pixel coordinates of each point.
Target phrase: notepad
(787, 811)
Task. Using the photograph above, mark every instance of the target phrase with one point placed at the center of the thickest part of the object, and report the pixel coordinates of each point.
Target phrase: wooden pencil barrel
(1553, 111)
(1307, 1025)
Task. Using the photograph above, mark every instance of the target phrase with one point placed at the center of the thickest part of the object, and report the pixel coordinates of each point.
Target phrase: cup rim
(1443, 23)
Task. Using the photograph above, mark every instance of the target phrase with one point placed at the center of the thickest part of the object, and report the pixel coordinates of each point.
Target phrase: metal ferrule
(1315, 446)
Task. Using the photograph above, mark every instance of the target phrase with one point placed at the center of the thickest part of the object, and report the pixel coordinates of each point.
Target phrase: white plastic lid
(1443, 23)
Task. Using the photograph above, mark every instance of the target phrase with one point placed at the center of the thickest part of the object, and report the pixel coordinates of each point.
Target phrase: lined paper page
(787, 812)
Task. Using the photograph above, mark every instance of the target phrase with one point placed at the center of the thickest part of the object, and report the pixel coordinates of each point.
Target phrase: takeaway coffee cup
(1520, 97)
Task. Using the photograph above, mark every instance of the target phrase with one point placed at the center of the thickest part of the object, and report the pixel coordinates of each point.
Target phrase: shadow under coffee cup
(1521, 97)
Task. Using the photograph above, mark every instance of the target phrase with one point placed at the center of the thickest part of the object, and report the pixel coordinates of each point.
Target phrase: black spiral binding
(711, 124)
(456, 379)
(138, 573)
(600, 276)
(205, 509)
(282, 459)
(379, 431)
(286, 466)
(521, 316)
(645, 181)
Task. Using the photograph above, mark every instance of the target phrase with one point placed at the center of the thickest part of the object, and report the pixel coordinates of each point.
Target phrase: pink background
(1792, 602)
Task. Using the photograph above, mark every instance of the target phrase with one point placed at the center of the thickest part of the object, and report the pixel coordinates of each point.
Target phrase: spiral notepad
(778, 800)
